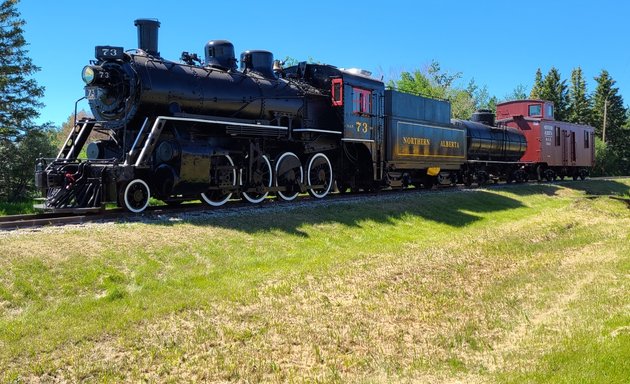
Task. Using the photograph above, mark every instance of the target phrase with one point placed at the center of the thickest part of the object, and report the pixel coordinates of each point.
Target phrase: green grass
(18, 208)
(526, 283)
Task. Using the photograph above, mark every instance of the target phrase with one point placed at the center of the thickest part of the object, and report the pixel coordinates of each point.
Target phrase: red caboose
(554, 148)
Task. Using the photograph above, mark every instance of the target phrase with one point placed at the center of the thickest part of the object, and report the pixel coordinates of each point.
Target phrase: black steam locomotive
(187, 130)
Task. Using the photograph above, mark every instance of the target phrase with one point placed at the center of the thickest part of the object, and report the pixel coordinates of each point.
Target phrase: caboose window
(535, 110)
(549, 111)
(586, 140)
(557, 137)
(361, 101)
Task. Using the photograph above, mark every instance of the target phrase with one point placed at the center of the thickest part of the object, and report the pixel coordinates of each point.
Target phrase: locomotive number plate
(106, 52)
(92, 93)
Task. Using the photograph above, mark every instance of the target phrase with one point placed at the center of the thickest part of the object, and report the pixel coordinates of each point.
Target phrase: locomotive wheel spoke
(262, 177)
(136, 196)
(222, 172)
(289, 174)
(319, 175)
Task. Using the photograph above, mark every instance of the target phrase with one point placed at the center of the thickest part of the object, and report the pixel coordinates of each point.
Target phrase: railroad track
(39, 219)
(13, 222)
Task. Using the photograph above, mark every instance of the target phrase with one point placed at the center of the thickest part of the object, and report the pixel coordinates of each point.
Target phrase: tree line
(22, 140)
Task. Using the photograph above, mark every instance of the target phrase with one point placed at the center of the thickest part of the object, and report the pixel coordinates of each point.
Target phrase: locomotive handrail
(76, 139)
(317, 130)
(133, 147)
(358, 140)
(76, 103)
(226, 122)
(160, 120)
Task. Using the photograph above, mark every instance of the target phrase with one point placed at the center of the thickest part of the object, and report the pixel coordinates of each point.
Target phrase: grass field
(527, 283)
(19, 208)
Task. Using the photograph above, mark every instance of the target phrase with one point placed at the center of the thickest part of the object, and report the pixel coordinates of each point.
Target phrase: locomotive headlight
(88, 75)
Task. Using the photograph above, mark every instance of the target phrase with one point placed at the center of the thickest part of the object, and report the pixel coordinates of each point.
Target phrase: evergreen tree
(19, 94)
(555, 89)
(519, 93)
(538, 85)
(480, 96)
(606, 100)
(21, 141)
(579, 110)
(492, 104)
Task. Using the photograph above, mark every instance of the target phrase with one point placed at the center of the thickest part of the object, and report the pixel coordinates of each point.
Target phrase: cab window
(361, 101)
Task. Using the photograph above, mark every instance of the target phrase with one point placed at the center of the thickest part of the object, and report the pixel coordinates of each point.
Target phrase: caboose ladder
(76, 140)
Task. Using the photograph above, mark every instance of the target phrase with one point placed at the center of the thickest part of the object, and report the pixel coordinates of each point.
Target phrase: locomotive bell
(278, 68)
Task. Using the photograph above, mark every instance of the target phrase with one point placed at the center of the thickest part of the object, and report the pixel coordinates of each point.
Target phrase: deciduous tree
(437, 83)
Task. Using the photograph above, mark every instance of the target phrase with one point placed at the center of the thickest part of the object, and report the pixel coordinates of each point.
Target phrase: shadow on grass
(532, 188)
(457, 209)
(589, 187)
(599, 187)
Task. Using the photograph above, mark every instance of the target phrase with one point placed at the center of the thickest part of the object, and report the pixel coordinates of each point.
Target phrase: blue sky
(498, 43)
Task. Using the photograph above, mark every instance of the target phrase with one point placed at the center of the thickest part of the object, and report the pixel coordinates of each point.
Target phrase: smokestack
(148, 35)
